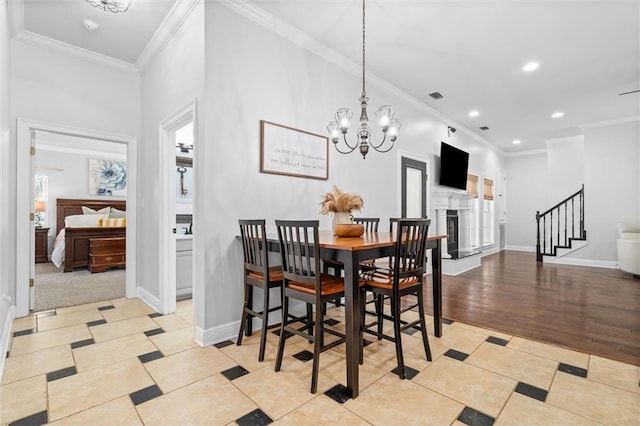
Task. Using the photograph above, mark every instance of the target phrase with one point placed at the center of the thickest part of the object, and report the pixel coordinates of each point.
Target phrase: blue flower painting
(107, 177)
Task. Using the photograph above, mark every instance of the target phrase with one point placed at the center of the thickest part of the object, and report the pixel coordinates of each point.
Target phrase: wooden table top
(366, 241)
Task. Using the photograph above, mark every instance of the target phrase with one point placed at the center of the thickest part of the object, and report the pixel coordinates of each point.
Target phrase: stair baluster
(546, 245)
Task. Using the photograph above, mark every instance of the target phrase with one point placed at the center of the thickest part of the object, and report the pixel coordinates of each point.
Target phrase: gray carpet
(56, 289)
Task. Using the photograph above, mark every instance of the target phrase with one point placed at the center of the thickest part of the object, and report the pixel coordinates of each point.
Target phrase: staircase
(561, 228)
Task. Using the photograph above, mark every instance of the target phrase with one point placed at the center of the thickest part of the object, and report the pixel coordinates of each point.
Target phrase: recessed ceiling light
(530, 66)
(89, 24)
(516, 142)
(557, 114)
(474, 113)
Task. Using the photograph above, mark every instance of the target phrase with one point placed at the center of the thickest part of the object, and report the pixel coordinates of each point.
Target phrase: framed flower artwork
(107, 177)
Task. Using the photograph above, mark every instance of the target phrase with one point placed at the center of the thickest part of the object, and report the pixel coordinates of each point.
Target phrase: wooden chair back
(300, 256)
(254, 239)
(370, 223)
(411, 243)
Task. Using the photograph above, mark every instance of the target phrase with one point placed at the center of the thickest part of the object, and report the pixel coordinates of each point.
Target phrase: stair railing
(556, 227)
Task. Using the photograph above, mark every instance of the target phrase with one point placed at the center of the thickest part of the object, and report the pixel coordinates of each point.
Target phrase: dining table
(351, 251)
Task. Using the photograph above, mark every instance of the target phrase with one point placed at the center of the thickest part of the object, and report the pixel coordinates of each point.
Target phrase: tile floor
(117, 362)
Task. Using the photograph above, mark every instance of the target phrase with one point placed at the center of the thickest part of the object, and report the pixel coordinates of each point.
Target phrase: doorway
(65, 167)
(25, 168)
(414, 201)
(178, 187)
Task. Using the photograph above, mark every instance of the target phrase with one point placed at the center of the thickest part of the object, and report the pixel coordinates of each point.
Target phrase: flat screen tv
(454, 163)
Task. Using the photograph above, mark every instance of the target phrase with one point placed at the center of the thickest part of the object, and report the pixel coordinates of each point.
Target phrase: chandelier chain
(364, 92)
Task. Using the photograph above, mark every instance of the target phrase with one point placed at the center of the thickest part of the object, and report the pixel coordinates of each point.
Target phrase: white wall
(565, 169)
(527, 193)
(608, 161)
(253, 74)
(7, 192)
(73, 91)
(611, 186)
(175, 77)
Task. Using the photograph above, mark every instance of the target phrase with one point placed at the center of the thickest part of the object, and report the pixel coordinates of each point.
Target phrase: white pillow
(83, 221)
(87, 210)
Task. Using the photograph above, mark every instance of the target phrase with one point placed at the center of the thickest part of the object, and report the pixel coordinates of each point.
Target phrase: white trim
(24, 185)
(167, 29)
(229, 331)
(88, 152)
(429, 188)
(612, 122)
(610, 264)
(273, 23)
(525, 153)
(6, 336)
(38, 40)
(576, 138)
(16, 16)
(529, 249)
(167, 240)
(149, 299)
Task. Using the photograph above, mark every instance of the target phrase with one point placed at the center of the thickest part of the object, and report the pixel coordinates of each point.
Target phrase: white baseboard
(609, 264)
(6, 336)
(229, 331)
(521, 248)
(455, 267)
(149, 299)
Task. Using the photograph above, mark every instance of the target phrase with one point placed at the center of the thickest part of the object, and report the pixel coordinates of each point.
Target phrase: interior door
(414, 188)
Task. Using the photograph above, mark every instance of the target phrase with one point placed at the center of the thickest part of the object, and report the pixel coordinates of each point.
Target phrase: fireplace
(452, 233)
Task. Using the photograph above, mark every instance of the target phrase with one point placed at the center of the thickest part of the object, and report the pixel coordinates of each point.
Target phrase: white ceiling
(471, 51)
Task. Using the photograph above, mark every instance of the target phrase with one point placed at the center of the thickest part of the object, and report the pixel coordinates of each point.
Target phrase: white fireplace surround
(453, 200)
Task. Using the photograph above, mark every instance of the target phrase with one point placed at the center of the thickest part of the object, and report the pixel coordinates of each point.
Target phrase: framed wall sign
(292, 152)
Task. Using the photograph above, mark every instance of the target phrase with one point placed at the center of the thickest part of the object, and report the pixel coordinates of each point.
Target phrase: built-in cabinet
(184, 267)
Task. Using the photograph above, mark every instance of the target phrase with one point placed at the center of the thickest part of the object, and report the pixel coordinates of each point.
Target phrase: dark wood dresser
(105, 253)
(42, 245)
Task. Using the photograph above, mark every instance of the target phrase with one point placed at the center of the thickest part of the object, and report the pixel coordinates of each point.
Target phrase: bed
(74, 242)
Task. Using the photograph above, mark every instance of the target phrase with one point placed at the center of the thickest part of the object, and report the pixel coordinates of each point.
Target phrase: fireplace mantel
(452, 200)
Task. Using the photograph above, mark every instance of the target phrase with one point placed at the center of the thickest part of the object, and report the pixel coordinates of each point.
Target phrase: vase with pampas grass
(341, 204)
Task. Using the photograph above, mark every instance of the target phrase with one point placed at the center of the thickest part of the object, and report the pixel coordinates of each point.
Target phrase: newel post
(538, 253)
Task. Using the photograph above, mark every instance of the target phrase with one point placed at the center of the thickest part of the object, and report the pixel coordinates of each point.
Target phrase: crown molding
(554, 141)
(526, 153)
(167, 29)
(273, 23)
(16, 16)
(38, 40)
(612, 122)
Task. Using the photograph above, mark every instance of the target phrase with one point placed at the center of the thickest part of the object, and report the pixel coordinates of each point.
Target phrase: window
(474, 223)
(41, 188)
(488, 213)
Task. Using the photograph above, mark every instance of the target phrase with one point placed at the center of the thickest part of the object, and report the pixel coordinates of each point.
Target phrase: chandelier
(389, 125)
(114, 6)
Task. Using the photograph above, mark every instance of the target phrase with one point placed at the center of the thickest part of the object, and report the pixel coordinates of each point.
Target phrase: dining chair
(257, 273)
(370, 225)
(402, 278)
(303, 281)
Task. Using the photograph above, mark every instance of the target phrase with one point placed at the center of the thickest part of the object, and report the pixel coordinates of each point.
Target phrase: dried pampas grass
(339, 201)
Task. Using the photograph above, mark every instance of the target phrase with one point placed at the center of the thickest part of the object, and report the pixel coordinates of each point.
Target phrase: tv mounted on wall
(454, 163)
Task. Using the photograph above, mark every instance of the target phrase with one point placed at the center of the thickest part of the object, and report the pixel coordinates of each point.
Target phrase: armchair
(629, 247)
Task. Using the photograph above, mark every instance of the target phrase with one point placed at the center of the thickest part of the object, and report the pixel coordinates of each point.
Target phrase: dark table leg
(352, 319)
(436, 266)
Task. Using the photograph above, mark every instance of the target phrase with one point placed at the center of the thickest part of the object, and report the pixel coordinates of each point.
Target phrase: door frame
(426, 189)
(25, 131)
(167, 241)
